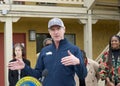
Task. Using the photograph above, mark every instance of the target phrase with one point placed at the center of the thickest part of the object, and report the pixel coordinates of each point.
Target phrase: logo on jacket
(49, 53)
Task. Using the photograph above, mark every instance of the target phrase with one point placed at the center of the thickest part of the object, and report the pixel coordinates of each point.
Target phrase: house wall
(102, 31)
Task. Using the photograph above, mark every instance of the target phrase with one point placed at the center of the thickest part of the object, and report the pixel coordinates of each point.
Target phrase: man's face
(57, 33)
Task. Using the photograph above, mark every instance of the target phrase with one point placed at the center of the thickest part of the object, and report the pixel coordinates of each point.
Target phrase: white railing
(55, 1)
(106, 48)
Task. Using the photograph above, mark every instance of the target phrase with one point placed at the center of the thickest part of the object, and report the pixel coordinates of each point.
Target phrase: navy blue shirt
(58, 74)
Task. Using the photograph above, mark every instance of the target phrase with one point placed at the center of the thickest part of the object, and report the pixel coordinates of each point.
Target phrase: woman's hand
(109, 83)
(118, 84)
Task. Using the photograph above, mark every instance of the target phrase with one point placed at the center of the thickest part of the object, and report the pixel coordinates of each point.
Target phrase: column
(88, 34)
(8, 44)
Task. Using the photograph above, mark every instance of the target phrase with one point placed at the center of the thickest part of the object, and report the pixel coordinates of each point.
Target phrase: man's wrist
(78, 61)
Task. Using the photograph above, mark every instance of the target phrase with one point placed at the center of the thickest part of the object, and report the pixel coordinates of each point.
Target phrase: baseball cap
(55, 21)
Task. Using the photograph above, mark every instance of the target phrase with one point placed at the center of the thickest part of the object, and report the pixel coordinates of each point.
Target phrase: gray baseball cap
(55, 21)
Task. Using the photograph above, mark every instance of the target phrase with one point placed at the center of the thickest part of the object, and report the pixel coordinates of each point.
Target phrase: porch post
(7, 47)
(8, 44)
(88, 34)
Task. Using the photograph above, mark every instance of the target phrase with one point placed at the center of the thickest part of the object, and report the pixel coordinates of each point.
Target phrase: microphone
(44, 74)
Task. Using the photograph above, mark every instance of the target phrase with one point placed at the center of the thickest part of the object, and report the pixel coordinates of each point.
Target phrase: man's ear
(48, 31)
(65, 29)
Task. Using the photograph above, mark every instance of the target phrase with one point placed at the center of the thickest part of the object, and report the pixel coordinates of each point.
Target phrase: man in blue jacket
(62, 59)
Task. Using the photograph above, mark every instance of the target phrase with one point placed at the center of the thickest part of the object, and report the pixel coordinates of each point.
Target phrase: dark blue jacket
(58, 74)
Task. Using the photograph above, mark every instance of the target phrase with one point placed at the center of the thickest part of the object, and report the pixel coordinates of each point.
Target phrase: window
(39, 40)
(71, 38)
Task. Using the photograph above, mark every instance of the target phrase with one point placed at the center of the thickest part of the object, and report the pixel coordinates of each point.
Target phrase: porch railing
(54, 1)
(46, 2)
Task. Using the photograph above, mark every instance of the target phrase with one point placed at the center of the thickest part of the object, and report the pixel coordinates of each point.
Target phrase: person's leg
(82, 82)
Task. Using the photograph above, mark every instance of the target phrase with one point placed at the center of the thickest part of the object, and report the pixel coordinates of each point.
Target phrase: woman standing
(92, 72)
(109, 69)
(15, 75)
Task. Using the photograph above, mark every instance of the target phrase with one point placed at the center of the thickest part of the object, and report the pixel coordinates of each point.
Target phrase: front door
(1, 59)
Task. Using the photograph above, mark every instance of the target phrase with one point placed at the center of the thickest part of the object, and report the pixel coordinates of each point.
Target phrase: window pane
(39, 40)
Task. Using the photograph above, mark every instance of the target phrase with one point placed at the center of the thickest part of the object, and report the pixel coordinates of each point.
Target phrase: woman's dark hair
(109, 62)
(84, 57)
(22, 48)
(83, 54)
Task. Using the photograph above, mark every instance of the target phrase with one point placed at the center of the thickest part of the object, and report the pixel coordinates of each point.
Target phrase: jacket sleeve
(37, 72)
(96, 66)
(28, 63)
(80, 69)
(10, 78)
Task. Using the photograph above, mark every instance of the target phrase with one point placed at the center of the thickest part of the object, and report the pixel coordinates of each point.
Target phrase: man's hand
(70, 60)
(16, 65)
